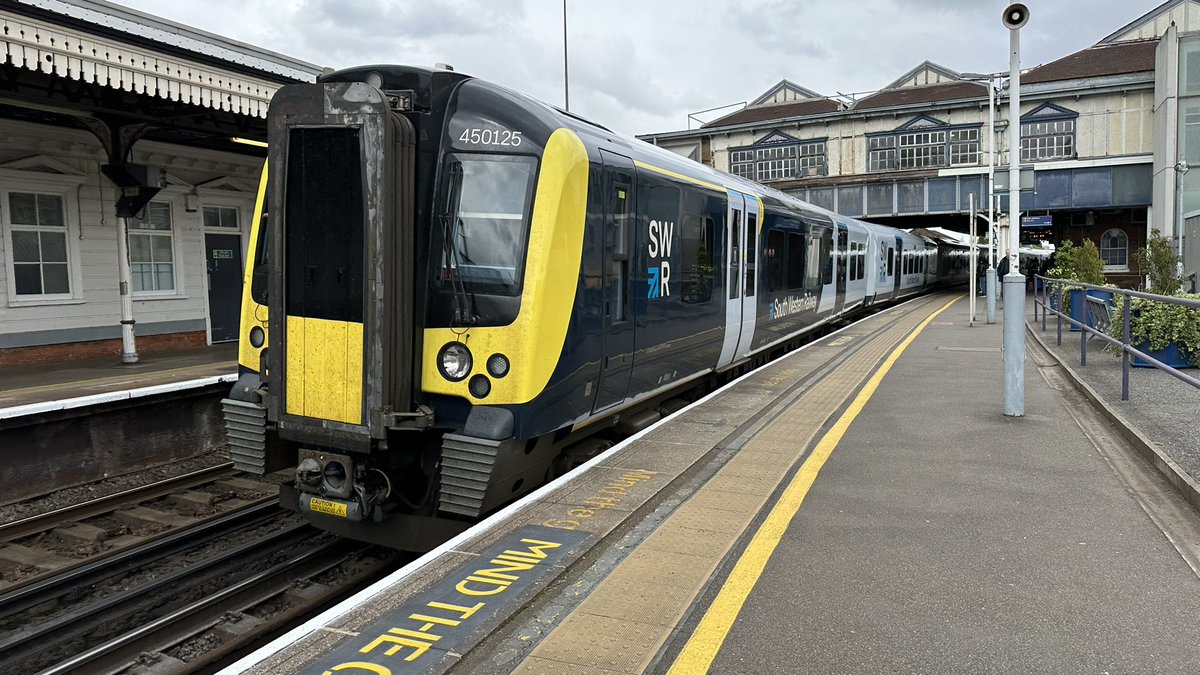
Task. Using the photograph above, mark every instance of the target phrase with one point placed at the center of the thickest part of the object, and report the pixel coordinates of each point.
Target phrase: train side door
(872, 276)
(898, 267)
(842, 256)
(735, 270)
(749, 275)
(616, 361)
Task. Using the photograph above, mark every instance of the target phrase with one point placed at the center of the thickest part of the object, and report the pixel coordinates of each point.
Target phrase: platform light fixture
(1015, 16)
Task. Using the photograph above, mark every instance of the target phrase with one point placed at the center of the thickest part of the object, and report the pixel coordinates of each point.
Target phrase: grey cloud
(641, 66)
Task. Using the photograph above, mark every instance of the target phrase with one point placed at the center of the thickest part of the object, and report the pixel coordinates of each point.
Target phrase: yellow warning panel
(324, 369)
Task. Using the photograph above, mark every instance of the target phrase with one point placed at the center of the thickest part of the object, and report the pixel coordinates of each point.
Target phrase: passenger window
(697, 259)
(773, 259)
(735, 250)
(795, 263)
(827, 258)
(618, 271)
(751, 252)
(891, 261)
(814, 260)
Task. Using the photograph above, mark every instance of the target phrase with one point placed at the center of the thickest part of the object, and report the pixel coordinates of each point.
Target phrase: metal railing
(1046, 288)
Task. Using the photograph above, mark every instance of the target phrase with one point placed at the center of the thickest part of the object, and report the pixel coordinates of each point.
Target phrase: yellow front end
(324, 369)
(533, 342)
(253, 314)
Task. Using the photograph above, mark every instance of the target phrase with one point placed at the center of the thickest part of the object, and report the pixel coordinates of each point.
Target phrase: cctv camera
(1015, 16)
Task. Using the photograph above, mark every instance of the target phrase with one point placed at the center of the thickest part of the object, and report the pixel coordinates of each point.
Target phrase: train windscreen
(487, 208)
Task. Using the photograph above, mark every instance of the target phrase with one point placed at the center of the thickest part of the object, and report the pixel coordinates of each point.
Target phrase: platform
(862, 505)
(39, 388)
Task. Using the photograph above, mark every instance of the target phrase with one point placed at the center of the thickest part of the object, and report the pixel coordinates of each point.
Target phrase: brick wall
(73, 351)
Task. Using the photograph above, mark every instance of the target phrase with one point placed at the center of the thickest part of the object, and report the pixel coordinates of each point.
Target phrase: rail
(1097, 322)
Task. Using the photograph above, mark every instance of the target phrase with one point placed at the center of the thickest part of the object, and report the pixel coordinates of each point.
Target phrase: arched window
(1114, 250)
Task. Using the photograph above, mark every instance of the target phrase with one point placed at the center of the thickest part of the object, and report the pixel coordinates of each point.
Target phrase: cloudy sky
(642, 66)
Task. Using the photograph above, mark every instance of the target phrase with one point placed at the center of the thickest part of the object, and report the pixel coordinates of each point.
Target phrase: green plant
(1065, 256)
(1075, 263)
(1078, 263)
(1159, 324)
(1157, 260)
(1089, 266)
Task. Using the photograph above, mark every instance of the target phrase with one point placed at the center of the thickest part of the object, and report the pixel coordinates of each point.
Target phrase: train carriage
(467, 290)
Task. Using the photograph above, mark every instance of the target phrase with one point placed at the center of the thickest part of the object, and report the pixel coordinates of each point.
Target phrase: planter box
(1169, 355)
(1079, 306)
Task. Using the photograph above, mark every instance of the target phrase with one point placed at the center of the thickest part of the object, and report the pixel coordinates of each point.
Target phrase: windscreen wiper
(464, 314)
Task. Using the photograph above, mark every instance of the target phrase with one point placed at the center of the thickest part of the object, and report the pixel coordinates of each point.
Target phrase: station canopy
(105, 67)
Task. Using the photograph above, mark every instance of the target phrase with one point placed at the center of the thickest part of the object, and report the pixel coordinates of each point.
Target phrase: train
(458, 292)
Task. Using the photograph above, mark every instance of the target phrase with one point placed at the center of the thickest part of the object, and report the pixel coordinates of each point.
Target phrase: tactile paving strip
(622, 624)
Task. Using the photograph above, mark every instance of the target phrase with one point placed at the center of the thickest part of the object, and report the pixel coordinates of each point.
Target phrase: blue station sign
(1037, 221)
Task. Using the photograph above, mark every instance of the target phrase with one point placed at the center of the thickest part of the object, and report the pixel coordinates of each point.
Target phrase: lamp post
(990, 285)
(1015, 16)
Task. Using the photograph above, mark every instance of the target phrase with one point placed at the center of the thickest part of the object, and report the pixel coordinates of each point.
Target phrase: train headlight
(454, 361)
(497, 365)
(479, 386)
(257, 337)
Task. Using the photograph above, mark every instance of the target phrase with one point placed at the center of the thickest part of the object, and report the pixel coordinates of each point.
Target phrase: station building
(104, 109)
(1103, 134)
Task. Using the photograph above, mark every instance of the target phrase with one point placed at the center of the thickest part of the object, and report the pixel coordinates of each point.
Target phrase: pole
(990, 278)
(973, 265)
(125, 278)
(566, 82)
(1014, 282)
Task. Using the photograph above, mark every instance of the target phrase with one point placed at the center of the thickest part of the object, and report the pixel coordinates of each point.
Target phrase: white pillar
(125, 277)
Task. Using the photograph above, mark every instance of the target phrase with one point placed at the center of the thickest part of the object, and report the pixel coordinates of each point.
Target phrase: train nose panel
(323, 248)
(342, 278)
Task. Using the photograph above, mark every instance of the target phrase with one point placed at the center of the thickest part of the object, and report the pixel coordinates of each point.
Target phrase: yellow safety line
(702, 647)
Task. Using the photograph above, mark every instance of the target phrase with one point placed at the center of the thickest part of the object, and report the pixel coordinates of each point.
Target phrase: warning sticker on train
(327, 507)
(427, 633)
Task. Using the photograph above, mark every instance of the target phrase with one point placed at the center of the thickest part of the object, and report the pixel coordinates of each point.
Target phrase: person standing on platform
(1001, 271)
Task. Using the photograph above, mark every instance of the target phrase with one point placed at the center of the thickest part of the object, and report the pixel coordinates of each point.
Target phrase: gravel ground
(1162, 407)
(108, 485)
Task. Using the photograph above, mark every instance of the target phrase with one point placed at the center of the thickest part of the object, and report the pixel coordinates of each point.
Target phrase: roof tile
(1110, 59)
(923, 94)
(776, 111)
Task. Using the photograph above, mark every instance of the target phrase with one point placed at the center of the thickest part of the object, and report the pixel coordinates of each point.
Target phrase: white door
(740, 279)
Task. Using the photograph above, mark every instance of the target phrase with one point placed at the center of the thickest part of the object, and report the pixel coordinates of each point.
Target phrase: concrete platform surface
(26, 385)
(862, 505)
(944, 537)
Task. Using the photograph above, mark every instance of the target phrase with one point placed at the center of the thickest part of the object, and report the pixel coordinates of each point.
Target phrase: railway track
(187, 600)
(37, 548)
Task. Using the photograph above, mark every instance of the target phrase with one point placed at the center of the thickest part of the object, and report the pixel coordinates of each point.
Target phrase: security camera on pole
(1015, 16)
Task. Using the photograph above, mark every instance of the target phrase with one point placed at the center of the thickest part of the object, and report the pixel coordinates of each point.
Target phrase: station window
(38, 231)
(923, 147)
(151, 250)
(964, 146)
(1047, 140)
(778, 161)
(1114, 250)
(221, 217)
